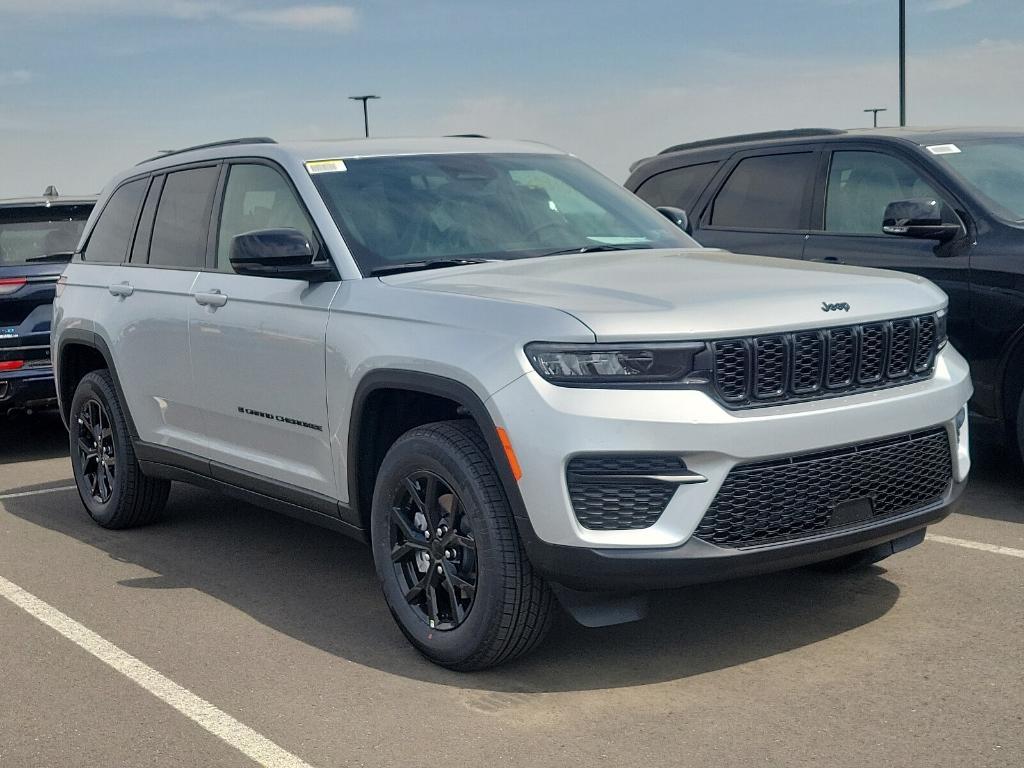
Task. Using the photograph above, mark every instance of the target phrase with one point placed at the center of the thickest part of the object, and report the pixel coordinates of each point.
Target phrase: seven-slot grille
(792, 498)
(806, 365)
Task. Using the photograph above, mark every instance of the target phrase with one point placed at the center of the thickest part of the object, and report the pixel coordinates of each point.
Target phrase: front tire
(447, 553)
(110, 482)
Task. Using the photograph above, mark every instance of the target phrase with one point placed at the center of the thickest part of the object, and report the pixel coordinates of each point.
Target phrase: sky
(89, 87)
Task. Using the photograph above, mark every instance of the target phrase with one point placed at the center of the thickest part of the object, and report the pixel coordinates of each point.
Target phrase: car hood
(697, 293)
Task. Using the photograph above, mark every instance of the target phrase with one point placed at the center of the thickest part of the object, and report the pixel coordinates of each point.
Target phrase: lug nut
(448, 554)
(440, 531)
(440, 569)
(426, 535)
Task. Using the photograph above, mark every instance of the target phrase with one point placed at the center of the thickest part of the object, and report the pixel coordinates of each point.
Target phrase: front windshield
(425, 208)
(994, 168)
(34, 233)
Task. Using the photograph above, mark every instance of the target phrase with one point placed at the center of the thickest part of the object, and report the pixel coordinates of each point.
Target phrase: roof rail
(797, 133)
(225, 143)
(465, 136)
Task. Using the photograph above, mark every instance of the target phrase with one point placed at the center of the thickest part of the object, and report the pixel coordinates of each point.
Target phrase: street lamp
(903, 63)
(366, 118)
(874, 113)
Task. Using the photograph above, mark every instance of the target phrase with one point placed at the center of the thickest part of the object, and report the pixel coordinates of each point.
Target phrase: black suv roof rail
(224, 143)
(796, 133)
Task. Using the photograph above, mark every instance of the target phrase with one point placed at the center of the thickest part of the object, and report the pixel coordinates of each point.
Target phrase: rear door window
(109, 240)
(766, 192)
(182, 221)
(679, 187)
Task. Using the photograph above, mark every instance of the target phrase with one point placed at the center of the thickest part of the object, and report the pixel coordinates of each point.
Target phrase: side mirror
(919, 218)
(677, 216)
(284, 253)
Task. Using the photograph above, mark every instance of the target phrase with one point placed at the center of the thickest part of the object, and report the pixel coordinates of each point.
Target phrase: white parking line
(36, 493)
(995, 548)
(240, 736)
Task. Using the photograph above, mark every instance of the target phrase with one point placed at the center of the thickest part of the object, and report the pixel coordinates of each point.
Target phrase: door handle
(832, 259)
(121, 289)
(212, 298)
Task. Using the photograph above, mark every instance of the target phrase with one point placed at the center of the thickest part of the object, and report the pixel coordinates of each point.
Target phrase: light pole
(903, 63)
(874, 114)
(366, 117)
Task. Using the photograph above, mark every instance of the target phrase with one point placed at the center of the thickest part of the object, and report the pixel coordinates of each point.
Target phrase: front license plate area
(852, 511)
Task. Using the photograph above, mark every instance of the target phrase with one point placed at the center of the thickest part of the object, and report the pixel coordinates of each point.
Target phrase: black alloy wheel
(96, 456)
(433, 551)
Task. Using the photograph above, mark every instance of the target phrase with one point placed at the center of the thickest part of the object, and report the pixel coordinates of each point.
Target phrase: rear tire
(469, 599)
(110, 482)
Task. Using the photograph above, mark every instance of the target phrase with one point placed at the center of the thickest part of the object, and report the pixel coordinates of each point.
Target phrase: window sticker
(944, 149)
(325, 166)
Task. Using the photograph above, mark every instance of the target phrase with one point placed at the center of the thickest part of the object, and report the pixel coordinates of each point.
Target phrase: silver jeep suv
(515, 380)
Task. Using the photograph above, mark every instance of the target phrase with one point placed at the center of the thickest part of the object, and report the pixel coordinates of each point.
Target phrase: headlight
(617, 364)
(941, 335)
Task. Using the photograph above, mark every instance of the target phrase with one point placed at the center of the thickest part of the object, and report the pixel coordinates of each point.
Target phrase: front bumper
(697, 562)
(549, 425)
(31, 388)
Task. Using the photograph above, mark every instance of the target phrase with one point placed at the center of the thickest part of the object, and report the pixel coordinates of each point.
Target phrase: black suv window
(766, 192)
(861, 184)
(183, 218)
(108, 242)
(257, 197)
(679, 187)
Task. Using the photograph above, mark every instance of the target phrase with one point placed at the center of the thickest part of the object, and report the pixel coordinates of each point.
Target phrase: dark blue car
(37, 237)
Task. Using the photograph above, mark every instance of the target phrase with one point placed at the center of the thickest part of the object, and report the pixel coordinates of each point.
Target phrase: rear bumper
(33, 388)
(696, 562)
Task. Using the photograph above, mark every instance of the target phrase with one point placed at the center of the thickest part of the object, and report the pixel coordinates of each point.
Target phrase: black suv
(947, 204)
(37, 238)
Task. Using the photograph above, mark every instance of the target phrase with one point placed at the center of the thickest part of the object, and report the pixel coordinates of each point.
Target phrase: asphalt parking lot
(277, 626)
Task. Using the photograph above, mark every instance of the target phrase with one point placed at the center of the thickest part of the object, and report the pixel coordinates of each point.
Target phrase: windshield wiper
(595, 249)
(61, 256)
(413, 266)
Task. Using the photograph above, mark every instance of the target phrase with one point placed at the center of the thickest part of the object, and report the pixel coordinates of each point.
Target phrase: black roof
(915, 135)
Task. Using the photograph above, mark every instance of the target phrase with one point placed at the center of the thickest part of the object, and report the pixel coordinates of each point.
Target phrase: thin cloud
(332, 17)
(340, 18)
(15, 77)
(945, 5)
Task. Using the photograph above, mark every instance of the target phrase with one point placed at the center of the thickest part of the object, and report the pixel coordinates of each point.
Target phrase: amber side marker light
(513, 462)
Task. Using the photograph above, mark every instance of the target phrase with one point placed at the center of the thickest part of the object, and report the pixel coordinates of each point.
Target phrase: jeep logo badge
(826, 307)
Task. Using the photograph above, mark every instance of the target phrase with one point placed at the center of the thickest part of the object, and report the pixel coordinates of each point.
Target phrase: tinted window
(765, 193)
(679, 187)
(862, 184)
(108, 242)
(182, 219)
(257, 197)
(140, 248)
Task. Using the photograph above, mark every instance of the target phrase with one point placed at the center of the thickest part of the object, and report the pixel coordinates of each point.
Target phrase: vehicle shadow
(319, 587)
(31, 438)
(996, 486)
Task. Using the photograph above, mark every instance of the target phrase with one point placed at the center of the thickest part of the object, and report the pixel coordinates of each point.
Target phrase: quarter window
(108, 242)
(861, 185)
(182, 219)
(679, 187)
(257, 197)
(765, 192)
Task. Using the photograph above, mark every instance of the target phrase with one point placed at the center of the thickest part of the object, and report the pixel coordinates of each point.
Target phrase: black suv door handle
(123, 290)
(831, 259)
(213, 298)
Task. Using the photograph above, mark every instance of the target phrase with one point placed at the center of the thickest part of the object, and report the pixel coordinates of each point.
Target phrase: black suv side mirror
(285, 253)
(920, 218)
(677, 216)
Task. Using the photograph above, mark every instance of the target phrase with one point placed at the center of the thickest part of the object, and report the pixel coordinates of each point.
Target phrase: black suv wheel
(110, 482)
(447, 553)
